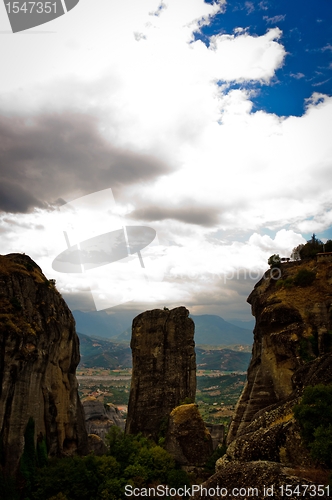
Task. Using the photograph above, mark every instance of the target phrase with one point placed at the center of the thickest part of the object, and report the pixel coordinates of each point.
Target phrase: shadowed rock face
(164, 368)
(258, 479)
(39, 353)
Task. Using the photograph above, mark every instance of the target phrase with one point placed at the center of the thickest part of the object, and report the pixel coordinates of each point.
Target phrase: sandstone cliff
(292, 350)
(293, 326)
(164, 368)
(39, 353)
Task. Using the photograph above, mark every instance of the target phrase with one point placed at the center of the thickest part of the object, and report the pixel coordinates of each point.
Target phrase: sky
(209, 122)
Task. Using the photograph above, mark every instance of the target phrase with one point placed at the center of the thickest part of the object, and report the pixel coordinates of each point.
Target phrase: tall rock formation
(39, 353)
(164, 368)
(292, 350)
(292, 328)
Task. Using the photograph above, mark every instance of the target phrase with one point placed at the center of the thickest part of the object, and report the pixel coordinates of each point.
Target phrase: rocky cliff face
(100, 417)
(164, 368)
(293, 326)
(292, 350)
(39, 353)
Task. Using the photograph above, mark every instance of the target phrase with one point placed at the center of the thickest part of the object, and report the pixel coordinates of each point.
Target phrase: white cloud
(275, 19)
(150, 89)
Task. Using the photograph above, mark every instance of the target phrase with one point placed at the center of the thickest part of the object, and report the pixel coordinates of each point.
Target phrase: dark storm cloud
(48, 157)
(15, 198)
(188, 212)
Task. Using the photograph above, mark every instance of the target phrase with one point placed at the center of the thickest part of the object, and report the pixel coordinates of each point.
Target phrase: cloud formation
(48, 156)
(130, 100)
(189, 212)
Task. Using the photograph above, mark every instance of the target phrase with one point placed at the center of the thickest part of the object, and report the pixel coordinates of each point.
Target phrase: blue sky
(307, 38)
(209, 122)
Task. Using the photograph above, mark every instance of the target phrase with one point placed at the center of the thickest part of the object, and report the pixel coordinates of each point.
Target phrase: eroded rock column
(164, 368)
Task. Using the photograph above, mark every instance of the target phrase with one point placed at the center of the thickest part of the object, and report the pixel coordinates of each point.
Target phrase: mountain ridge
(100, 353)
(210, 329)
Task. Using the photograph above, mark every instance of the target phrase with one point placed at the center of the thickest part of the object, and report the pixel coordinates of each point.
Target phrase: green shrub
(287, 283)
(308, 347)
(304, 277)
(77, 478)
(133, 459)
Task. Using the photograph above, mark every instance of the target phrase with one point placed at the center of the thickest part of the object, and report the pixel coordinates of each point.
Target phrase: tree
(328, 246)
(28, 460)
(314, 415)
(311, 248)
(274, 261)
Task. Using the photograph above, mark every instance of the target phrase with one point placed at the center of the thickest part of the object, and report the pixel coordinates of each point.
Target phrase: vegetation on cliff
(131, 460)
(311, 248)
(314, 414)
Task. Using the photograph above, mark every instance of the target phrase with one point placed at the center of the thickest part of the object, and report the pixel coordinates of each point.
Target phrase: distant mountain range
(97, 353)
(210, 329)
(102, 324)
(103, 353)
(213, 330)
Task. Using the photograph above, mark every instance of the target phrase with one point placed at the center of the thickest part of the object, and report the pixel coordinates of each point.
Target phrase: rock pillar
(164, 368)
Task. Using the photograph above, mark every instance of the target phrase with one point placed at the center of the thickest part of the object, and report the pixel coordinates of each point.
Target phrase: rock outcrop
(164, 368)
(100, 417)
(259, 479)
(217, 432)
(292, 350)
(96, 445)
(39, 353)
(187, 438)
